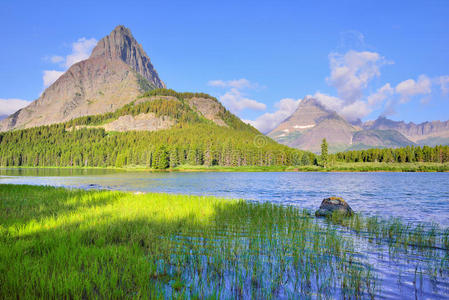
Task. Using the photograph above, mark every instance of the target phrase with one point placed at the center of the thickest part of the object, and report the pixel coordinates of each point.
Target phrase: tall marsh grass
(60, 243)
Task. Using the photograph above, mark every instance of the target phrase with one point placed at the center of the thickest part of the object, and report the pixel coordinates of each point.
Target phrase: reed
(61, 243)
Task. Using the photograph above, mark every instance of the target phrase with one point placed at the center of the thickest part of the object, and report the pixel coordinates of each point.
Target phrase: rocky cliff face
(122, 45)
(430, 133)
(117, 71)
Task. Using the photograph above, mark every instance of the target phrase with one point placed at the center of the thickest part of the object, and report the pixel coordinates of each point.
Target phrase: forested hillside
(192, 140)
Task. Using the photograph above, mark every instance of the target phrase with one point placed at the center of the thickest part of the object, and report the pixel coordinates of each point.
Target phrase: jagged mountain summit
(311, 122)
(426, 133)
(117, 71)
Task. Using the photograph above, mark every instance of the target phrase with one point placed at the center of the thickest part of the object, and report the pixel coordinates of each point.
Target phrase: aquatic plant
(62, 243)
(57, 243)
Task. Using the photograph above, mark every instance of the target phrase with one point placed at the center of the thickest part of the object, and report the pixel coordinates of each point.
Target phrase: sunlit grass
(59, 243)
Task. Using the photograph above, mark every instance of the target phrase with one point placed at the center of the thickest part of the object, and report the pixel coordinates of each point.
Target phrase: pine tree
(324, 153)
(174, 157)
(161, 158)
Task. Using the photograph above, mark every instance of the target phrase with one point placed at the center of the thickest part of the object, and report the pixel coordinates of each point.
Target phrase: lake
(418, 198)
(413, 197)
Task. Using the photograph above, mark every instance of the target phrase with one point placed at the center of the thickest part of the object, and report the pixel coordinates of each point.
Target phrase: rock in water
(329, 205)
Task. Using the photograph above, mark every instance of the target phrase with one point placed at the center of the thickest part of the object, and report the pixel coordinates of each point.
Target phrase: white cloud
(51, 76)
(10, 106)
(81, 50)
(408, 88)
(444, 84)
(351, 73)
(268, 121)
(235, 101)
(356, 110)
(380, 95)
(328, 101)
(350, 112)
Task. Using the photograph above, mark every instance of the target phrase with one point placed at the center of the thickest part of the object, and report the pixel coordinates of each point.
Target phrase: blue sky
(362, 58)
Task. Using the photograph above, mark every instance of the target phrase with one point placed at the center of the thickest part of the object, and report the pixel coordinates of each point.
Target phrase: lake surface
(414, 197)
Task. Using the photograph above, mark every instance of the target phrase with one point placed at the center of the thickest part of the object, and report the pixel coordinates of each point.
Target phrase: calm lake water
(415, 197)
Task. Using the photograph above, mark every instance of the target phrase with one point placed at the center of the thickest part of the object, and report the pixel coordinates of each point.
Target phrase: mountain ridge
(417, 133)
(342, 135)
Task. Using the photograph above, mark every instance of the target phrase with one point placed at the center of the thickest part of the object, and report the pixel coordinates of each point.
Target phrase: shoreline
(336, 167)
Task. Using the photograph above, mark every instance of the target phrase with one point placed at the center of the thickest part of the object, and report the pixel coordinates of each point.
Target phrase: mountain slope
(365, 139)
(159, 129)
(163, 109)
(309, 124)
(117, 71)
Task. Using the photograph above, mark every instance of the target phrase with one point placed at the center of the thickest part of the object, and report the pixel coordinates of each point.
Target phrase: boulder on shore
(329, 205)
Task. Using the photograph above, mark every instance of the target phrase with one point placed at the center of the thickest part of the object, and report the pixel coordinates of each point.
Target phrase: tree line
(191, 144)
(437, 154)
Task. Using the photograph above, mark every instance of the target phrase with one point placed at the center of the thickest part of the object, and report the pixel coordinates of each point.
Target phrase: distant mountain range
(311, 122)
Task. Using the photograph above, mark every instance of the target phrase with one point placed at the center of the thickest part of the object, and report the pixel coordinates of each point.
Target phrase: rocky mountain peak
(309, 124)
(116, 73)
(121, 44)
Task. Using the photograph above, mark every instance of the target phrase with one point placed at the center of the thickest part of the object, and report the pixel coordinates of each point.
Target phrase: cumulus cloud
(51, 76)
(268, 121)
(380, 95)
(350, 112)
(351, 73)
(331, 102)
(234, 99)
(408, 88)
(10, 106)
(355, 110)
(81, 50)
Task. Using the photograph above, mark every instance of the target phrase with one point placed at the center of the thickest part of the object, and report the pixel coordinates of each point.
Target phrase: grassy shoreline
(335, 167)
(70, 243)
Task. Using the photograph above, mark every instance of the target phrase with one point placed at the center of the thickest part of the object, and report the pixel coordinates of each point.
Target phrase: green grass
(61, 243)
(70, 243)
